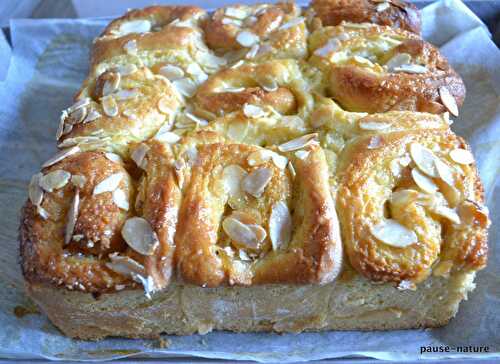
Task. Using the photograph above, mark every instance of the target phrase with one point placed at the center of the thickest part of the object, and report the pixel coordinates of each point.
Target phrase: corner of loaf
(257, 168)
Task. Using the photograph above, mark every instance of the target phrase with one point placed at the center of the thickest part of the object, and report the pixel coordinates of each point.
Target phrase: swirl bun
(374, 68)
(404, 198)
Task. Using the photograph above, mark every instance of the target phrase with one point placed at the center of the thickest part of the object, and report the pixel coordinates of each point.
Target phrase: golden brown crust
(396, 14)
(369, 184)
(240, 137)
(365, 74)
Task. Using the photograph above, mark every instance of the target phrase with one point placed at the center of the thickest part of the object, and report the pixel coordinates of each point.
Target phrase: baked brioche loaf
(259, 168)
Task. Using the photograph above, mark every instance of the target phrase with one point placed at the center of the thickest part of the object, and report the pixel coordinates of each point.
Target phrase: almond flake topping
(134, 26)
(126, 94)
(78, 180)
(394, 234)
(255, 182)
(382, 7)
(263, 155)
(54, 180)
(139, 155)
(331, 46)
(247, 38)
(254, 50)
(124, 265)
(167, 137)
(448, 100)
(72, 217)
(35, 192)
(131, 47)
(61, 155)
(447, 213)
(302, 154)
(172, 72)
(126, 69)
(236, 13)
(298, 143)
(423, 182)
(462, 156)
(232, 176)
(373, 125)
(411, 68)
(424, 159)
(444, 172)
(280, 225)
(253, 111)
(292, 23)
(113, 157)
(92, 115)
(164, 105)
(240, 233)
(185, 86)
(108, 184)
(140, 236)
(111, 85)
(109, 106)
(398, 60)
(120, 199)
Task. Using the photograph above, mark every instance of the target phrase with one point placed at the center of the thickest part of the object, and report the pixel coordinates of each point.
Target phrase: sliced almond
(124, 265)
(54, 180)
(109, 106)
(77, 116)
(167, 137)
(253, 111)
(423, 182)
(134, 26)
(72, 217)
(172, 72)
(331, 46)
(35, 192)
(233, 175)
(109, 184)
(164, 105)
(462, 156)
(111, 85)
(260, 156)
(79, 104)
(120, 199)
(113, 157)
(375, 142)
(139, 155)
(91, 116)
(255, 182)
(196, 120)
(243, 255)
(448, 213)
(126, 94)
(448, 100)
(302, 154)
(240, 233)
(394, 234)
(61, 155)
(298, 143)
(411, 68)
(280, 225)
(42, 212)
(78, 180)
(254, 50)
(424, 159)
(259, 232)
(234, 12)
(373, 125)
(444, 172)
(140, 236)
(291, 169)
(382, 7)
(247, 38)
(398, 60)
(292, 23)
(126, 69)
(131, 47)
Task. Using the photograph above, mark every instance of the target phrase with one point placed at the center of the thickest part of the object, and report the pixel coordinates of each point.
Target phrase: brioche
(258, 168)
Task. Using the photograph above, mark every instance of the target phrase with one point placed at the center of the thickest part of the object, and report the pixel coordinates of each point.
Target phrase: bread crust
(397, 14)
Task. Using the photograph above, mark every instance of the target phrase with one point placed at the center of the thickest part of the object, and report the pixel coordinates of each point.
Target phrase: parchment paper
(48, 64)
